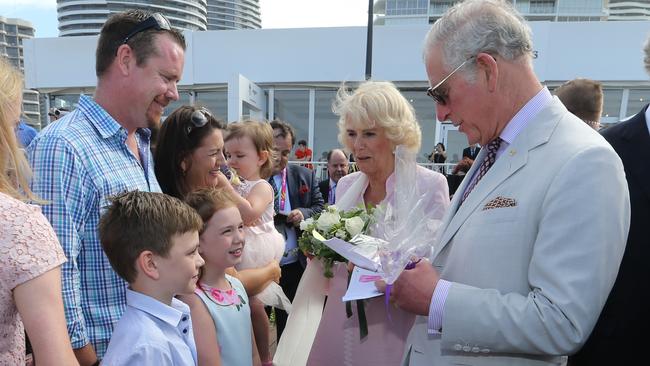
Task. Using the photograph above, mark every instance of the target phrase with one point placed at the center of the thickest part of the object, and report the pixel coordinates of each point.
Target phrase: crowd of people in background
(177, 251)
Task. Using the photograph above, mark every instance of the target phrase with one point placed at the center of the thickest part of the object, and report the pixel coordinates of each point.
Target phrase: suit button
(458, 347)
(467, 348)
(485, 350)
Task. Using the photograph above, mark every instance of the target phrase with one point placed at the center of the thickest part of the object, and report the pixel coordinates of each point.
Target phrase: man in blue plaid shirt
(99, 150)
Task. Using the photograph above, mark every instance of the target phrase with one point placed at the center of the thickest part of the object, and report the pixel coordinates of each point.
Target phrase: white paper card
(348, 251)
(362, 285)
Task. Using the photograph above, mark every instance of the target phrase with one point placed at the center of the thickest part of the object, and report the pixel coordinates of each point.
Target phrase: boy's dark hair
(117, 27)
(138, 221)
(285, 130)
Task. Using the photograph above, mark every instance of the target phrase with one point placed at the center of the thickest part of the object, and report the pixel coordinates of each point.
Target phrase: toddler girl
(249, 146)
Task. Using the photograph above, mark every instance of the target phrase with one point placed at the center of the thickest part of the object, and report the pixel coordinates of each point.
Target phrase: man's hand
(295, 217)
(413, 289)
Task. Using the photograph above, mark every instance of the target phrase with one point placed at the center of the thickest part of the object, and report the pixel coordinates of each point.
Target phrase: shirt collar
(525, 115)
(147, 304)
(332, 183)
(105, 124)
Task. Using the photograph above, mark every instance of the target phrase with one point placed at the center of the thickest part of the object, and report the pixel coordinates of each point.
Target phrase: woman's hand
(274, 270)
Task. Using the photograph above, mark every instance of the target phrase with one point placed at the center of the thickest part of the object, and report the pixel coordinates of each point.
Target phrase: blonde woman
(372, 122)
(30, 255)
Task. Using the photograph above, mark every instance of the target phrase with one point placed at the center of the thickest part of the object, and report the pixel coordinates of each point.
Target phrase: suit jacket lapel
(536, 133)
(293, 182)
(637, 149)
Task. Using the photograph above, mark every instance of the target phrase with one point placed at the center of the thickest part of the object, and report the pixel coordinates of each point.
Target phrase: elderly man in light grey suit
(532, 242)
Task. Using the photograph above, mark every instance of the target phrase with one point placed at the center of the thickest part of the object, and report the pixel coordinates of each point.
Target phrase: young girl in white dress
(249, 148)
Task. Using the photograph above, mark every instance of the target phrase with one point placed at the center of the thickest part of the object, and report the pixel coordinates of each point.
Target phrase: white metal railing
(320, 167)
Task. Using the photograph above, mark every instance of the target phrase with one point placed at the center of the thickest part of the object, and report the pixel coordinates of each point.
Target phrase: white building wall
(606, 51)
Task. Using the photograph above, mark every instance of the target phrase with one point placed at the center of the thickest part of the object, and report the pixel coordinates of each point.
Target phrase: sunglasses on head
(198, 119)
(156, 20)
(441, 97)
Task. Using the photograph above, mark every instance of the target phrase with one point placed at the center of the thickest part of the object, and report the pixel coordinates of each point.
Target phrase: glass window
(215, 101)
(184, 99)
(67, 101)
(612, 102)
(292, 106)
(325, 124)
(637, 100)
(425, 113)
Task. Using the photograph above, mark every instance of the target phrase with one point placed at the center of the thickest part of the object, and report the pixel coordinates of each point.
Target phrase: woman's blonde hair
(378, 104)
(14, 169)
(261, 134)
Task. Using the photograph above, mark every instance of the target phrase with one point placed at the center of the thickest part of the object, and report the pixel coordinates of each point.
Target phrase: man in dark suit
(619, 337)
(337, 168)
(297, 197)
(471, 151)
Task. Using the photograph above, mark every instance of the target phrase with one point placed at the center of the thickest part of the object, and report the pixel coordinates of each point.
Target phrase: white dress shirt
(152, 333)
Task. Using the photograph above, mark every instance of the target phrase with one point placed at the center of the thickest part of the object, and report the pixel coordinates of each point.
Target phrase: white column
(312, 109)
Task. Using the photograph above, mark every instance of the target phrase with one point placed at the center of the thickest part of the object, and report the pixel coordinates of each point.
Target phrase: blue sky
(275, 13)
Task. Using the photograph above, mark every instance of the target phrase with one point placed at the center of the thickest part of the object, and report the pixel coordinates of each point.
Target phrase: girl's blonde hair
(14, 169)
(261, 134)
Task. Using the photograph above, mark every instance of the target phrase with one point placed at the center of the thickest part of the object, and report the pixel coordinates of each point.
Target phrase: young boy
(152, 241)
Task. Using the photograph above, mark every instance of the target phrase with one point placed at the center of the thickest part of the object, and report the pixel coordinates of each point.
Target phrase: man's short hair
(137, 221)
(329, 154)
(582, 97)
(474, 26)
(115, 30)
(285, 130)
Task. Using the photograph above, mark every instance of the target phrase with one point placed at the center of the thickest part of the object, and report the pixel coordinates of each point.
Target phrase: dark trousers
(291, 274)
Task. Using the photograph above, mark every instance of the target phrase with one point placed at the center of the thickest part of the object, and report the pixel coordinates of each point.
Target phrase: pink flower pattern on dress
(222, 297)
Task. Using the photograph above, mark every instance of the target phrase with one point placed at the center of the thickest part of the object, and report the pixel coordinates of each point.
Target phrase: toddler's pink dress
(263, 244)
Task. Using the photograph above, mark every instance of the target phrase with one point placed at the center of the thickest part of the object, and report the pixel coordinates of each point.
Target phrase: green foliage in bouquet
(332, 223)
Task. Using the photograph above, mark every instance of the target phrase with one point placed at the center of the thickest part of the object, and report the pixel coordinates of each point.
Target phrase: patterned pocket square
(500, 202)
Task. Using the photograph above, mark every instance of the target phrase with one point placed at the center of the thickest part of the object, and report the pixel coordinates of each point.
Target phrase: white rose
(304, 224)
(354, 225)
(340, 234)
(332, 209)
(327, 220)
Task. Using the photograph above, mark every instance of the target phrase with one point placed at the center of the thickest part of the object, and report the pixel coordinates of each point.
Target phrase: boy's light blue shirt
(152, 333)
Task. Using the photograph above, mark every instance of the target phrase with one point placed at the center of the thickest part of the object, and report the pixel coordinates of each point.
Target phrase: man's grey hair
(474, 26)
(646, 55)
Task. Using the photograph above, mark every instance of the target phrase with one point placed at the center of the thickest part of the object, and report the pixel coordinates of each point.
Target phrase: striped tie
(487, 163)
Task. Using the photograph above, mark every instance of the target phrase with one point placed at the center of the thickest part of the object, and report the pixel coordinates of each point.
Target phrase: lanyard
(283, 190)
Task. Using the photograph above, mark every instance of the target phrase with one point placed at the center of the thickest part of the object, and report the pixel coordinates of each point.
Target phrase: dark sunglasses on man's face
(198, 119)
(434, 92)
(156, 20)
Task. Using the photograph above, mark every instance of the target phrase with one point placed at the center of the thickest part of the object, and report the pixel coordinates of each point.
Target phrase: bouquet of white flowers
(330, 223)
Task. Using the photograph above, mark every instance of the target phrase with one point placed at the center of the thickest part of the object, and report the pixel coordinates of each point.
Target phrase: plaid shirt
(79, 162)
